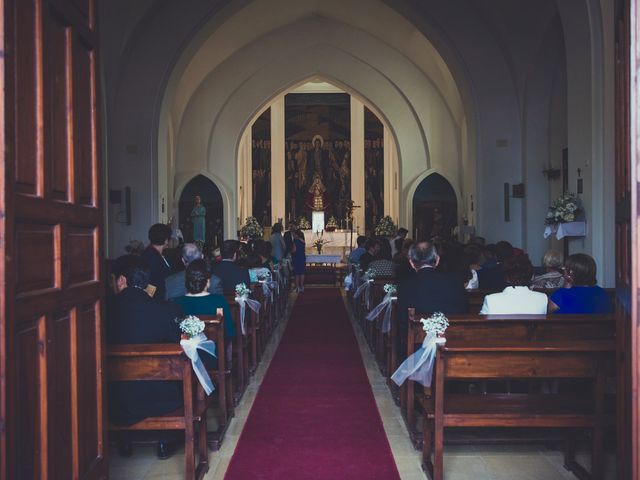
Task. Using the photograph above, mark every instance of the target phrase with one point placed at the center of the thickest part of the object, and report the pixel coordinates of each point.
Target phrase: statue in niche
(198, 219)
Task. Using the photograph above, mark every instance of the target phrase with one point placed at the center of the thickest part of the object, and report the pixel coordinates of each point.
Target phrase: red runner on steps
(315, 416)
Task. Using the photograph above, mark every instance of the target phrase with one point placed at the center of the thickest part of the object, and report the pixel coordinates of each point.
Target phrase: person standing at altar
(197, 218)
(299, 259)
(277, 242)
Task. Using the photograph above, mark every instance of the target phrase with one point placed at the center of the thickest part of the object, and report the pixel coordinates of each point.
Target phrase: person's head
(504, 251)
(402, 232)
(581, 268)
(384, 252)
(361, 240)
(190, 252)
(423, 254)
(198, 200)
(277, 228)
(372, 246)
(518, 271)
(291, 227)
(254, 260)
(229, 249)
(552, 260)
(473, 254)
(130, 271)
(159, 234)
(196, 278)
(264, 249)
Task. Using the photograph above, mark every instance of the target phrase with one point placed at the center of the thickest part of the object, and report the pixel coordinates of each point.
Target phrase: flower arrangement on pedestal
(332, 224)
(386, 227)
(303, 223)
(251, 228)
(563, 210)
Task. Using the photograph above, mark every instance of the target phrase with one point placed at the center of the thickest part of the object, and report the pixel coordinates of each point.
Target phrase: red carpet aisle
(315, 416)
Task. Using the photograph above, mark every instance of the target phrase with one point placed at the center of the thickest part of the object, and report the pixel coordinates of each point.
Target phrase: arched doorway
(435, 208)
(212, 200)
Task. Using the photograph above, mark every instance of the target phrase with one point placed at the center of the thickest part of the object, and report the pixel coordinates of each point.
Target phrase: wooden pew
(221, 377)
(499, 359)
(500, 328)
(152, 362)
(241, 347)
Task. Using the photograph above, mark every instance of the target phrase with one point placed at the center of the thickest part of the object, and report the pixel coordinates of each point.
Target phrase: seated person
(359, 251)
(198, 300)
(135, 318)
(581, 294)
(227, 271)
(491, 277)
(473, 254)
(372, 247)
(401, 259)
(429, 290)
(174, 284)
(256, 271)
(382, 265)
(554, 274)
(516, 298)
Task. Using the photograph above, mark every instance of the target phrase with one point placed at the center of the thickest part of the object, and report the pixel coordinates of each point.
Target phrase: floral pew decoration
(243, 300)
(385, 305)
(193, 339)
(419, 365)
(365, 288)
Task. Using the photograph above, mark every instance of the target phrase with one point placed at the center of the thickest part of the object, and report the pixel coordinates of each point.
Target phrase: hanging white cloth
(190, 347)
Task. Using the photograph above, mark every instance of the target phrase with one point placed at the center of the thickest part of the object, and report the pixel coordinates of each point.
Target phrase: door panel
(52, 402)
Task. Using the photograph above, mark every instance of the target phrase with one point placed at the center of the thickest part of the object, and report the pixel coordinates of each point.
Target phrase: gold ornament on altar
(332, 224)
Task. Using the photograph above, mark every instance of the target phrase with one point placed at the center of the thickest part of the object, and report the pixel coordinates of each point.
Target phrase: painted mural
(261, 168)
(374, 170)
(318, 154)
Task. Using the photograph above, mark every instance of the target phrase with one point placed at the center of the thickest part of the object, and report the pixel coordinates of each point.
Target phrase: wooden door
(52, 349)
(627, 134)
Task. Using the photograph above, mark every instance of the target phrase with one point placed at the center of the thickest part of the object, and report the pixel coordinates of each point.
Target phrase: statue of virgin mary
(198, 217)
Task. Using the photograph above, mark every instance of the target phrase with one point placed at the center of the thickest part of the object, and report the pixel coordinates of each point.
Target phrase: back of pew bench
(505, 329)
(165, 362)
(487, 359)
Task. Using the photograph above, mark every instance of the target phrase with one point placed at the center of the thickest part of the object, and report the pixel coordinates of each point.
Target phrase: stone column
(357, 161)
(245, 174)
(391, 197)
(278, 171)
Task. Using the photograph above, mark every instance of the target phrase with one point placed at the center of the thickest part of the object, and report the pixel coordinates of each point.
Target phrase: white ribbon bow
(190, 348)
(387, 305)
(365, 287)
(419, 365)
(243, 301)
(348, 282)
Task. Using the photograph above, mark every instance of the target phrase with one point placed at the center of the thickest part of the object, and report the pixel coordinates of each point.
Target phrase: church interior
(354, 187)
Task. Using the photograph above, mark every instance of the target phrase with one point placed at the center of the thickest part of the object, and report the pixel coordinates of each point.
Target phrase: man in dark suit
(160, 269)
(227, 271)
(174, 284)
(492, 277)
(134, 317)
(288, 239)
(429, 290)
(372, 247)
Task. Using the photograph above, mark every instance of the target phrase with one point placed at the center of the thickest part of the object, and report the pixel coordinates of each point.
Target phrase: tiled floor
(495, 462)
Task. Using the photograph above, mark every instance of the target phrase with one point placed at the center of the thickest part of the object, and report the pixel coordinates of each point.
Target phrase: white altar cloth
(337, 238)
(567, 229)
(333, 259)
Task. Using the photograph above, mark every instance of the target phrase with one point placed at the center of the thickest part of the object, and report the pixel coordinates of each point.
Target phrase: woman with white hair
(554, 277)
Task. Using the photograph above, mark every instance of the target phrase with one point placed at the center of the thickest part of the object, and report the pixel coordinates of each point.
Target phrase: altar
(339, 242)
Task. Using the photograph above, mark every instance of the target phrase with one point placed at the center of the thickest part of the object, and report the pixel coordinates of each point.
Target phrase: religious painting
(261, 168)
(318, 154)
(374, 170)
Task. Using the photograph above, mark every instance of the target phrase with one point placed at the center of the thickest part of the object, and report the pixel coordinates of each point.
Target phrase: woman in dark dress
(299, 259)
(581, 294)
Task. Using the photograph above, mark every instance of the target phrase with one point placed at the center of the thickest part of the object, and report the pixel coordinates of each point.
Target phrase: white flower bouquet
(389, 288)
(251, 228)
(436, 324)
(564, 209)
(386, 227)
(191, 326)
(242, 290)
